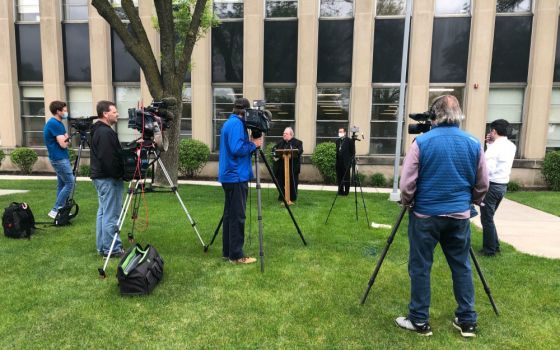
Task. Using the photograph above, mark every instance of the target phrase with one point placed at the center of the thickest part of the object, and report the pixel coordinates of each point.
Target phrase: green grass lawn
(308, 296)
(547, 201)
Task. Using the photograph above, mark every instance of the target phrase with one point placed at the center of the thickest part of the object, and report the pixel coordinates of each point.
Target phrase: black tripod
(354, 181)
(144, 152)
(384, 253)
(259, 206)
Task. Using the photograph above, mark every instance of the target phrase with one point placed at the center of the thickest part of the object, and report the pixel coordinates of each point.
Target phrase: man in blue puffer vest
(234, 173)
(443, 174)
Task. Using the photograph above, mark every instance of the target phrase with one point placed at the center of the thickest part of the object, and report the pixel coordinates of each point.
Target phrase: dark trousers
(494, 196)
(343, 179)
(233, 236)
(454, 236)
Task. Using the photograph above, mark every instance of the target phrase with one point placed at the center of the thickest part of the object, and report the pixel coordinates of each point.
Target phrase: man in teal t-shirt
(56, 140)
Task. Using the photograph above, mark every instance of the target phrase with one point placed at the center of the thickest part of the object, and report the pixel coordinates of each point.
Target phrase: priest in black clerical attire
(344, 153)
(289, 142)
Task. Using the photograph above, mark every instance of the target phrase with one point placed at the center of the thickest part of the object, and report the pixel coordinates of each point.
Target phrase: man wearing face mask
(344, 153)
(56, 140)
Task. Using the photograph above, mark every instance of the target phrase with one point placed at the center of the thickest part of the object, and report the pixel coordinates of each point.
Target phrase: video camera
(258, 119)
(82, 125)
(355, 130)
(151, 119)
(424, 122)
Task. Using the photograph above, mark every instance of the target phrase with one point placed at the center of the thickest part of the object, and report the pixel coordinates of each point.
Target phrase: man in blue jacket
(234, 173)
(444, 172)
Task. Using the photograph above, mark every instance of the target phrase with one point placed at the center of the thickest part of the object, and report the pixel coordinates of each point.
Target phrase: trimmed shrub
(513, 186)
(551, 170)
(324, 159)
(2, 156)
(24, 158)
(362, 178)
(72, 154)
(85, 170)
(378, 180)
(193, 155)
(268, 153)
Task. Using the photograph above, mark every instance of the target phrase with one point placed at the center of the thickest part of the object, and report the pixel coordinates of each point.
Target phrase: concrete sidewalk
(529, 230)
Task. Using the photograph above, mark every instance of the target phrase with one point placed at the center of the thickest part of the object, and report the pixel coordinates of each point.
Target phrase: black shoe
(115, 254)
(467, 329)
(486, 253)
(420, 328)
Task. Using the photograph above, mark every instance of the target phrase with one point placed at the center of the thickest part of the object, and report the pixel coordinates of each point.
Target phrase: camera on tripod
(424, 122)
(152, 119)
(81, 125)
(258, 119)
(355, 130)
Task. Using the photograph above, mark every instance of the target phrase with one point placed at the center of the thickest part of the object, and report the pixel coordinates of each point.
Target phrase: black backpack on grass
(139, 270)
(18, 221)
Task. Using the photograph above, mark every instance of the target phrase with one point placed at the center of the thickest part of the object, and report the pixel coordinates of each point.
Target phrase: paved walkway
(529, 230)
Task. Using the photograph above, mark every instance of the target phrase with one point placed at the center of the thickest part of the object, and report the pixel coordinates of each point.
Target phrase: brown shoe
(243, 260)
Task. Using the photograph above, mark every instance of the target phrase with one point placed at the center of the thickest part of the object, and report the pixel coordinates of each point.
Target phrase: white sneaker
(52, 214)
(420, 328)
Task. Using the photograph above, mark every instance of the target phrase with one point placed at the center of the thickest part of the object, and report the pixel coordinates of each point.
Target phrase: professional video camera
(424, 122)
(258, 119)
(82, 125)
(152, 119)
(355, 130)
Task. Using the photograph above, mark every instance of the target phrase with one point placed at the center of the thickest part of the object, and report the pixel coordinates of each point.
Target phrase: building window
(384, 120)
(224, 9)
(281, 102)
(77, 67)
(280, 51)
(510, 52)
(334, 56)
(391, 7)
(186, 116)
(337, 8)
(27, 10)
(281, 8)
(126, 97)
(75, 10)
(32, 115)
(80, 101)
(332, 112)
(224, 97)
(438, 90)
(227, 52)
(120, 11)
(508, 6)
(125, 67)
(452, 7)
(553, 140)
(450, 49)
(506, 103)
(387, 50)
(28, 46)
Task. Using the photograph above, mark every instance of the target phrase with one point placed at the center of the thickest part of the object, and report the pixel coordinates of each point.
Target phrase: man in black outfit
(289, 142)
(344, 153)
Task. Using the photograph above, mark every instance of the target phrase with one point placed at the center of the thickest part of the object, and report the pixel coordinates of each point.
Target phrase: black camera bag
(139, 270)
(66, 213)
(18, 221)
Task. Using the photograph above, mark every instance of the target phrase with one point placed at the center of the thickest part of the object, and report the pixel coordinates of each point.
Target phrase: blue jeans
(109, 192)
(65, 181)
(454, 236)
(495, 194)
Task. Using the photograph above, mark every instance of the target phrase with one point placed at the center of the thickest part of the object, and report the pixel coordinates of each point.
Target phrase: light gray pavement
(529, 230)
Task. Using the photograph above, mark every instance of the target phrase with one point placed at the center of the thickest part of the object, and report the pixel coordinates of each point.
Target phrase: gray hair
(447, 110)
(290, 130)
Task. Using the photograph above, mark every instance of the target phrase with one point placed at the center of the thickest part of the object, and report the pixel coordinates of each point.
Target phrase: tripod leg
(332, 206)
(215, 234)
(483, 280)
(383, 254)
(364, 204)
(263, 157)
(174, 189)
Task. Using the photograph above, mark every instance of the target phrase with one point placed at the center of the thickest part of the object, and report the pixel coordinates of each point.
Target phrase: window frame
(292, 121)
(317, 121)
(17, 13)
(23, 117)
(265, 8)
(377, 15)
(123, 115)
(531, 11)
(469, 14)
(396, 122)
(548, 148)
(229, 19)
(321, 17)
(64, 6)
(215, 137)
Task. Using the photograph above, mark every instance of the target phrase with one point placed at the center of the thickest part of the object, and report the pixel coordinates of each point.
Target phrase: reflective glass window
(79, 105)
(281, 102)
(332, 112)
(76, 52)
(126, 97)
(435, 91)
(553, 136)
(450, 50)
(509, 6)
(28, 45)
(125, 67)
(27, 10)
(223, 97)
(337, 8)
(557, 60)
(387, 50)
(119, 10)
(32, 115)
(507, 103)
(452, 7)
(186, 115)
(228, 8)
(334, 56)
(280, 51)
(391, 7)
(227, 52)
(384, 120)
(281, 8)
(512, 44)
(75, 10)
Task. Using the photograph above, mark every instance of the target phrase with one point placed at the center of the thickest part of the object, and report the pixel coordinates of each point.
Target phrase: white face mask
(341, 134)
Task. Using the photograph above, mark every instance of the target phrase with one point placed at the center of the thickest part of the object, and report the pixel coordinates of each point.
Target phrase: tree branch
(190, 38)
(164, 10)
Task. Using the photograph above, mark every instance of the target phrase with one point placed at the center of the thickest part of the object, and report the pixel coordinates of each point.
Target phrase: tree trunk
(170, 158)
